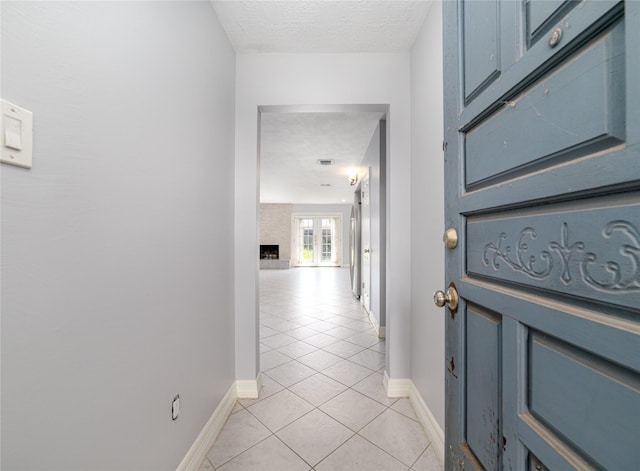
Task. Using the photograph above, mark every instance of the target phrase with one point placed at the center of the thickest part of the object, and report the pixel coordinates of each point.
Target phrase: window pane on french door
(306, 226)
(326, 245)
(328, 250)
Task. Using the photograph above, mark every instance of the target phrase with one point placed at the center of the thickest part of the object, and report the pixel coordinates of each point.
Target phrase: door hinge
(445, 144)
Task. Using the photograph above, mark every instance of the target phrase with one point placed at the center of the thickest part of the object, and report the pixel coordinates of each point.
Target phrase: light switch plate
(16, 134)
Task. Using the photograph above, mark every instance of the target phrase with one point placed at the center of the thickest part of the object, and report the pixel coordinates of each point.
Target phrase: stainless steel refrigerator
(354, 246)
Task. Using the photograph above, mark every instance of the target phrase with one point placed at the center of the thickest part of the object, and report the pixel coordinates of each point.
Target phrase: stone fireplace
(275, 235)
(269, 252)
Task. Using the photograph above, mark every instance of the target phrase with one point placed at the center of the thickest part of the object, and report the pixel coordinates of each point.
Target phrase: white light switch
(12, 133)
(17, 135)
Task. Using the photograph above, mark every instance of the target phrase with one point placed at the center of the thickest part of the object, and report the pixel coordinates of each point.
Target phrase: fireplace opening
(269, 252)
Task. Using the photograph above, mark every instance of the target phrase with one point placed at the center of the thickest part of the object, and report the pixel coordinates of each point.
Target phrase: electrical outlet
(175, 407)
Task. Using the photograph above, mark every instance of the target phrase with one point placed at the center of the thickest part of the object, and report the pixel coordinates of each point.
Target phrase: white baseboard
(198, 451)
(249, 388)
(406, 388)
(381, 332)
(374, 322)
(428, 422)
(396, 387)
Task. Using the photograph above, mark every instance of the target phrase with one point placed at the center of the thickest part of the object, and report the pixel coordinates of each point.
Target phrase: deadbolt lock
(556, 36)
(450, 238)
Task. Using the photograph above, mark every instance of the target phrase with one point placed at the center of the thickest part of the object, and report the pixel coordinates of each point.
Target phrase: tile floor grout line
(420, 455)
(295, 452)
(342, 444)
(374, 418)
(394, 457)
(243, 451)
(328, 454)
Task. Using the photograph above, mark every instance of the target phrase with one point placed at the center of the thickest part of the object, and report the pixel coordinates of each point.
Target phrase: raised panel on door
(542, 172)
(587, 249)
(483, 379)
(565, 381)
(481, 46)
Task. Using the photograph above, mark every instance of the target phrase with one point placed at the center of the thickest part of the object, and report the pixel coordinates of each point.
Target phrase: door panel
(306, 253)
(603, 330)
(481, 46)
(498, 147)
(484, 376)
(579, 249)
(327, 249)
(565, 381)
(542, 172)
(522, 65)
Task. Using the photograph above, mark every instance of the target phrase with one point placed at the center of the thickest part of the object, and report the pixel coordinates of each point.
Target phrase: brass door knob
(450, 238)
(450, 298)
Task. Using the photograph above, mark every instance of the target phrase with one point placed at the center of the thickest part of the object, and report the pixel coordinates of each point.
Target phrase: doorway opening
(318, 198)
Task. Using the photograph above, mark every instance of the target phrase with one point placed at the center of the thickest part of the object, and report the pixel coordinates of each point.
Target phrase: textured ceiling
(321, 26)
(291, 145)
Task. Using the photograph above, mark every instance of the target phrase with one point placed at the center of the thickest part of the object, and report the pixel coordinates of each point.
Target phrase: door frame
(381, 97)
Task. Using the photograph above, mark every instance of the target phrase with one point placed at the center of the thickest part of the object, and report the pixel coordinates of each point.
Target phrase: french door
(542, 187)
(317, 240)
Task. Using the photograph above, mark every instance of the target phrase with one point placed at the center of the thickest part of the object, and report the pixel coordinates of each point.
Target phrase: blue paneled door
(542, 173)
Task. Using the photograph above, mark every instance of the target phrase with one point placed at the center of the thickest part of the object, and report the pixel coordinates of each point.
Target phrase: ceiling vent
(325, 161)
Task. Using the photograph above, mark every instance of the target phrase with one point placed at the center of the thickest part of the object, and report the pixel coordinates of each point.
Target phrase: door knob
(450, 298)
(450, 238)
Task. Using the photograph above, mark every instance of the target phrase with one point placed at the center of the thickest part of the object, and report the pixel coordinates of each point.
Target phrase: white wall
(322, 79)
(115, 246)
(427, 213)
(344, 209)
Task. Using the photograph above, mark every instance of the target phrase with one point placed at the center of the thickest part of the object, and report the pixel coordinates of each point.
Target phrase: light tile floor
(322, 406)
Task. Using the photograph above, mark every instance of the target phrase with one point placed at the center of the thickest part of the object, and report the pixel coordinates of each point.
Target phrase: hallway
(322, 406)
